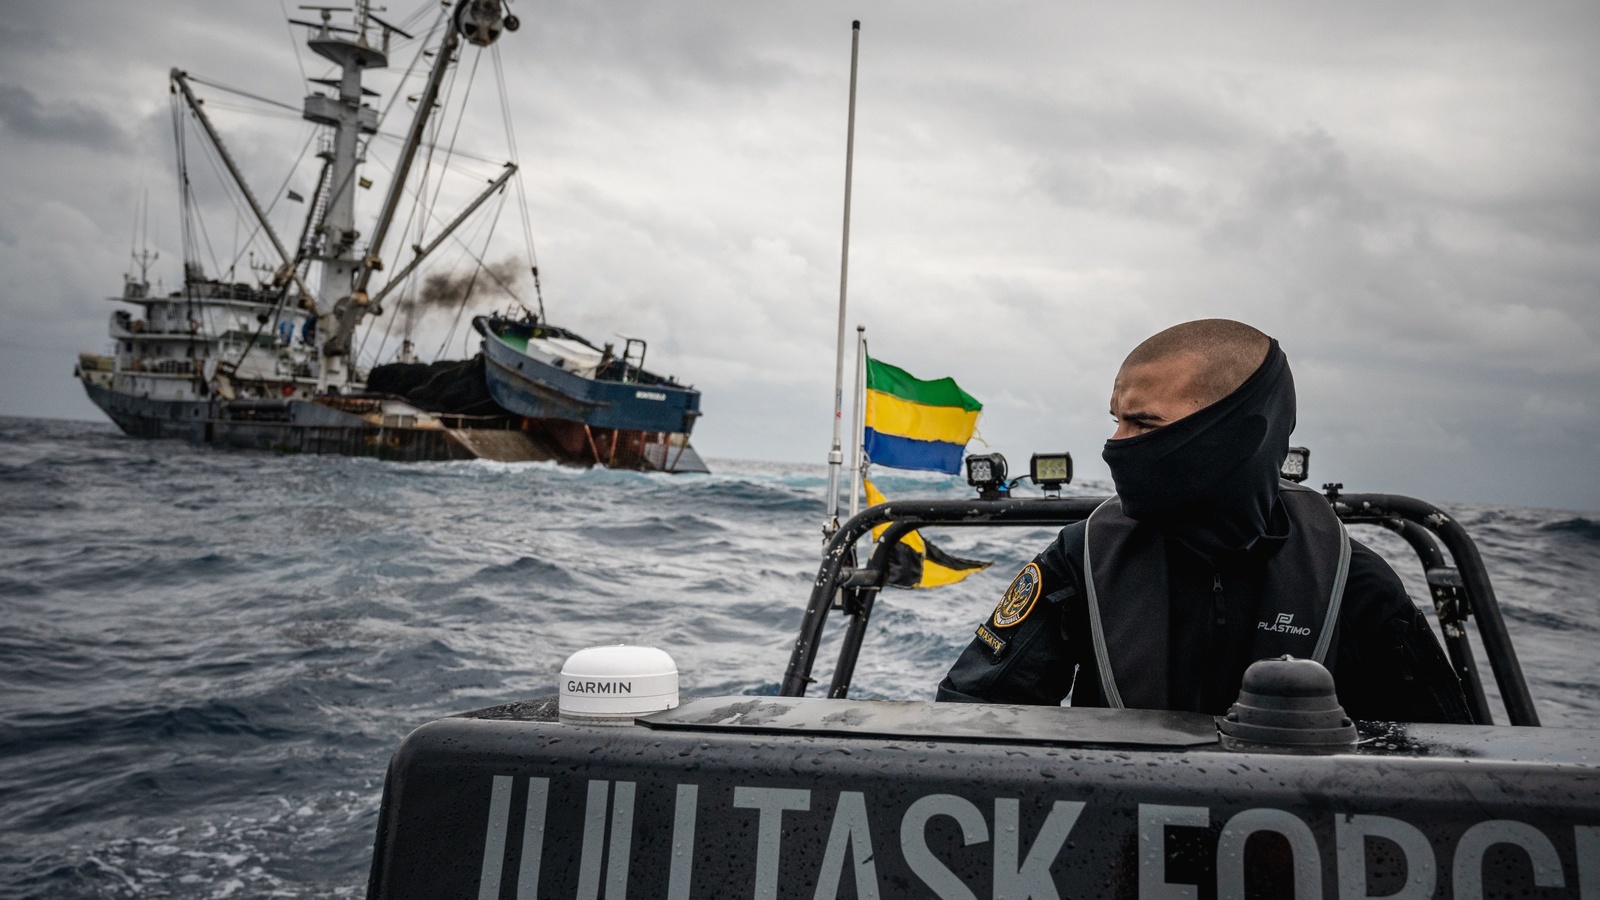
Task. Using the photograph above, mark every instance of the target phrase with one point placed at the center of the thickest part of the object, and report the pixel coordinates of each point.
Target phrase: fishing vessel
(273, 362)
(590, 400)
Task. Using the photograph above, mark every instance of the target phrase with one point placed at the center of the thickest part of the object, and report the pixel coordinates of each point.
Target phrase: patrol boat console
(788, 796)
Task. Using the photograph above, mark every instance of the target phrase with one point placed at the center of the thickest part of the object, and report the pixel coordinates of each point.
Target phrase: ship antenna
(133, 240)
(146, 255)
(835, 454)
(140, 250)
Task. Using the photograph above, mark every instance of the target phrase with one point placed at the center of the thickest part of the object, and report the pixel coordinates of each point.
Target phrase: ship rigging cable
(399, 88)
(472, 284)
(455, 133)
(424, 206)
(279, 193)
(422, 210)
(240, 210)
(303, 251)
(418, 195)
(522, 193)
(191, 248)
(293, 43)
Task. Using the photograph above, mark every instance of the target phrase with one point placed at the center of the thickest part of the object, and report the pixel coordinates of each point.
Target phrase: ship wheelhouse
(173, 346)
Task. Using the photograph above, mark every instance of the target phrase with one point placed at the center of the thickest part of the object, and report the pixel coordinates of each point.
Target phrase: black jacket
(1386, 662)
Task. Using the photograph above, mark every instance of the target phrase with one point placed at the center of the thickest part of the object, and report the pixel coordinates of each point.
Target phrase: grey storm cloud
(1404, 195)
(73, 123)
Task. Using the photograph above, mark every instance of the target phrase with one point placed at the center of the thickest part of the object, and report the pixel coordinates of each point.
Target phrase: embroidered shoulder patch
(1019, 597)
(995, 643)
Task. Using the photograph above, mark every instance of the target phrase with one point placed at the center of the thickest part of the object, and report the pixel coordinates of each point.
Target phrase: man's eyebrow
(1138, 417)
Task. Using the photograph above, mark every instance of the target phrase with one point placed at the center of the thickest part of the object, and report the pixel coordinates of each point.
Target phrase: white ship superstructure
(210, 340)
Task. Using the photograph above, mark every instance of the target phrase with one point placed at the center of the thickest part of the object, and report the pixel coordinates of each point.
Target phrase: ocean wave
(209, 656)
(1579, 527)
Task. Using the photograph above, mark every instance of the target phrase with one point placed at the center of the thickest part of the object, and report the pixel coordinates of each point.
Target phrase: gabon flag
(914, 424)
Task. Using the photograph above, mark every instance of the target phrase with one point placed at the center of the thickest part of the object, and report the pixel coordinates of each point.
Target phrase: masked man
(1205, 561)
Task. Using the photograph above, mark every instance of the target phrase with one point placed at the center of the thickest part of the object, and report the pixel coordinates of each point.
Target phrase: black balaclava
(1210, 479)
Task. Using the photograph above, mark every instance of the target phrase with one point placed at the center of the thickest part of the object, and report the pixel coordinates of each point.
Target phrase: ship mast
(343, 302)
(350, 119)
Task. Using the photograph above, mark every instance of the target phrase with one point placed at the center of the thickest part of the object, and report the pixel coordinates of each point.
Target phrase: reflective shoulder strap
(1102, 657)
(1335, 598)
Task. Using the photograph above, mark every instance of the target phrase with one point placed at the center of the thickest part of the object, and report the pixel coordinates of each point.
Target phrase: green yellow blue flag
(916, 562)
(914, 424)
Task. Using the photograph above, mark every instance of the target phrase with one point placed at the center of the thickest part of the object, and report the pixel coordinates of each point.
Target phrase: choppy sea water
(207, 657)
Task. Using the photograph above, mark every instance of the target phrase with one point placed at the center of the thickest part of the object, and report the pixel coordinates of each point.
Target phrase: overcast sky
(1406, 195)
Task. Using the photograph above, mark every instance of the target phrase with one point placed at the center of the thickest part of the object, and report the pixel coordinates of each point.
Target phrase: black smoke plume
(459, 292)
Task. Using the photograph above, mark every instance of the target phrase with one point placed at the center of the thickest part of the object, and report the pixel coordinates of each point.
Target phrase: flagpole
(835, 455)
(858, 422)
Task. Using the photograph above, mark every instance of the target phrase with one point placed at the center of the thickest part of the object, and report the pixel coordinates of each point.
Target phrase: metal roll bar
(849, 584)
(1444, 583)
(841, 584)
(1474, 578)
